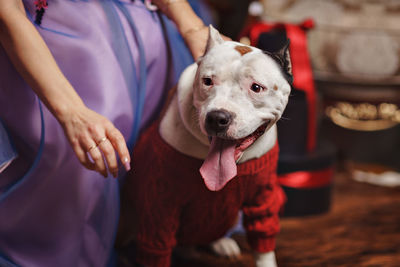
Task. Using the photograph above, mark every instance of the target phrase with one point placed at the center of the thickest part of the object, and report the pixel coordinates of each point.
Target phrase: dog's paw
(226, 247)
(265, 259)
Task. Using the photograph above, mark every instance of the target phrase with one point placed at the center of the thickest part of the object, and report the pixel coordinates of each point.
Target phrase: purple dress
(63, 214)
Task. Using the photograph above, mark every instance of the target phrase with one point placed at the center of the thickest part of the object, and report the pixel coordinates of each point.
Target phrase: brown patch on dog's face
(275, 87)
(243, 49)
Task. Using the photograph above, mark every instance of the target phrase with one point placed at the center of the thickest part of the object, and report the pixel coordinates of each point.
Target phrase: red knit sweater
(171, 204)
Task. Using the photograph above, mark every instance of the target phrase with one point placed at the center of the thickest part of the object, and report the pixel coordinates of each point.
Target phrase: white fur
(266, 259)
(226, 246)
(232, 73)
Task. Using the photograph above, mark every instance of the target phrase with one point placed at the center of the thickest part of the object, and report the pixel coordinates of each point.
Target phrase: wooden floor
(361, 229)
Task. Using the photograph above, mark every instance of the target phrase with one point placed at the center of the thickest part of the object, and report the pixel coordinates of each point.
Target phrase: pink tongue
(219, 167)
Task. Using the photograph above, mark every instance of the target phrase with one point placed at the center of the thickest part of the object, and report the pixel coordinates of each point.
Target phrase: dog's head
(239, 92)
(239, 89)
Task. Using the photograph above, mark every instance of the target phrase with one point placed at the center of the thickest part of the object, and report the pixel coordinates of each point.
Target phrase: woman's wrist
(61, 98)
(182, 14)
(65, 111)
(193, 30)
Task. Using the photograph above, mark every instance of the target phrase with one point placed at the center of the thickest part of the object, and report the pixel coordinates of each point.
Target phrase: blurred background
(340, 136)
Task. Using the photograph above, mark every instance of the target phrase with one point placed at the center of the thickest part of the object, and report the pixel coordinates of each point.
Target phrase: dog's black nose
(218, 121)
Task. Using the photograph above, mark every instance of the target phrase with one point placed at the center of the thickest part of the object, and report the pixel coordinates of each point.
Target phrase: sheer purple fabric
(65, 215)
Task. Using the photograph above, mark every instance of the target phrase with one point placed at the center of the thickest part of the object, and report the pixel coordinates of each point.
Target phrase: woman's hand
(95, 141)
(191, 27)
(196, 40)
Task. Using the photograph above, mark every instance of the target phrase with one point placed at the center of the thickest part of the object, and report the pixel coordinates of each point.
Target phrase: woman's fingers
(118, 142)
(83, 157)
(109, 155)
(97, 157)
(92, 149)
(109, 142)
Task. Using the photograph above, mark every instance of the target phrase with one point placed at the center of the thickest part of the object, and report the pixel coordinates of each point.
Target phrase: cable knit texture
(170, 204)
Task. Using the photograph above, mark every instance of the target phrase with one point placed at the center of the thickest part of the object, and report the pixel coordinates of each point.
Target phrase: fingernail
(127, 166)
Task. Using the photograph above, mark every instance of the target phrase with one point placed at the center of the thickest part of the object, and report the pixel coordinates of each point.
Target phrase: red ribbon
(41, 4)
(301, 66)
(307, 179)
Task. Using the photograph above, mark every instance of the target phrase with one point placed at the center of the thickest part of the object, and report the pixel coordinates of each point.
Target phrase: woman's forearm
(33, 60)
(87, 131)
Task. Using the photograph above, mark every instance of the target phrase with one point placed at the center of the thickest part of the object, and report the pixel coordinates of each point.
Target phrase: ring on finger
(101, 140)
(92, 147)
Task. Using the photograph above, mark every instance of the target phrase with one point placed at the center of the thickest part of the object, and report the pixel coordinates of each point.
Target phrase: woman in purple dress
(100, 67)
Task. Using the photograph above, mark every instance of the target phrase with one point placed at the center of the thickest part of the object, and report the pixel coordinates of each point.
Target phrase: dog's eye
(207, 81)
(256, 88)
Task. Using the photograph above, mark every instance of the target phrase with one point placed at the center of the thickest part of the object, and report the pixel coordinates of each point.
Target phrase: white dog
(223, 113)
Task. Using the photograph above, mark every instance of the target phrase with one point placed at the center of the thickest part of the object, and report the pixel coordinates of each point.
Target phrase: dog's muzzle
(218, 121)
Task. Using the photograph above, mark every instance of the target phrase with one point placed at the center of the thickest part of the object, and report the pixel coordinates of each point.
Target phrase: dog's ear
(214, 38)
(284, 54)
(282, 57)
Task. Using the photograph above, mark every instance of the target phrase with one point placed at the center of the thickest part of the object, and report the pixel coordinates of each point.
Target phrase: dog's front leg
(226, 247)
(266, 259)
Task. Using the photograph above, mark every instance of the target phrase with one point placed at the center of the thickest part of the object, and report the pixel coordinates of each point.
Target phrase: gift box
(307, 180)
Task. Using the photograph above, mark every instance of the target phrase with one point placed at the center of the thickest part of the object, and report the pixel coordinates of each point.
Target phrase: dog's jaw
(244, 143)
(220, 165)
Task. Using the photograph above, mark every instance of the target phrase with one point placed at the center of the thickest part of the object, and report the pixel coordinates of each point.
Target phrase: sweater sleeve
(158, 220)
(261, 211)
